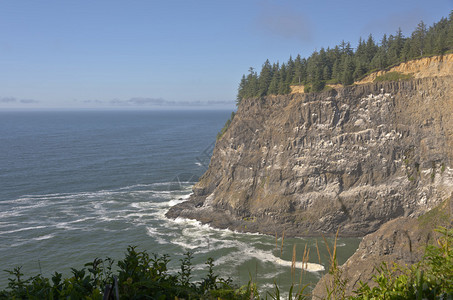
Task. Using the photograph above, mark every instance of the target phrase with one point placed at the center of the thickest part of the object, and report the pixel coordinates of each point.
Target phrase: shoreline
(195, 209)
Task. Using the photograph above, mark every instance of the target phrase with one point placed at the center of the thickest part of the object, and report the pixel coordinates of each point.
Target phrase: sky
(146, 54)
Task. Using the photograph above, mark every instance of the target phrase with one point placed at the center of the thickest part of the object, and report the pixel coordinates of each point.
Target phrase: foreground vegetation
(430, 278)
(343, 64)
(141, 276)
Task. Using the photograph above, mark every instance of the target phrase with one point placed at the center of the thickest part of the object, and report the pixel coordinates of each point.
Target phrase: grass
(393, 76)
(226, 126)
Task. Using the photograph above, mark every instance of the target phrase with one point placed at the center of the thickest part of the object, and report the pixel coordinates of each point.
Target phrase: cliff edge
(353, 158)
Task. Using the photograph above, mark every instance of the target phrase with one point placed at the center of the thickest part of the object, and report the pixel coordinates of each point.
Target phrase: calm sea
(79, 185)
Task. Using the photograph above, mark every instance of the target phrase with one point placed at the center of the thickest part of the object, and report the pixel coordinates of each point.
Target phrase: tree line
(343, 64)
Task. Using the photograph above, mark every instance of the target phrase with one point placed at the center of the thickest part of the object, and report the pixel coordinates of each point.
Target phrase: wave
(203, 238)
(240, 256)
(27, 241)
(136, 188)
(144, 206)
(22, 229)
(43, 237)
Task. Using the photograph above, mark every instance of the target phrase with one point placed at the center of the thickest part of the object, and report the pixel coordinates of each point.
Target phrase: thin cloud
(92, 101)
(138, 101)
(153, 102)
(8, 99)
(28, 101)
(15, 100)
(283, 21)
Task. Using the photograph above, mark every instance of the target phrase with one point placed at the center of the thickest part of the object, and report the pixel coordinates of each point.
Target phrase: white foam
(22, 229)
(8, 214)
(139, 185)
(152, 232)
(44, 237)
(185, 245)
(311, 267)
(246, 253)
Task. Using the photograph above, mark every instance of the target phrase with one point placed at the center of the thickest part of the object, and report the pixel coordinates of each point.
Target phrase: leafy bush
(140, 276)
(226, 126)
(431, 278)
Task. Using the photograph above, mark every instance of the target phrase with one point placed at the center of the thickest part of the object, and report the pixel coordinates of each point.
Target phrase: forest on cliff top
(343, 64)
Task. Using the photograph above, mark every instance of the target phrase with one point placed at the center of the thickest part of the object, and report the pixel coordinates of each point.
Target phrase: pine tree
(348, 71)
(370, 49)
(273, 85)
(297, 70)
(418, 38)
(265, 78)
(449, 41)
(396, 44)
(252, 84)
(283, 87)
(290, 70)
(241, 90)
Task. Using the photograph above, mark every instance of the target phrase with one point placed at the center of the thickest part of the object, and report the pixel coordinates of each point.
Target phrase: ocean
(76, 185)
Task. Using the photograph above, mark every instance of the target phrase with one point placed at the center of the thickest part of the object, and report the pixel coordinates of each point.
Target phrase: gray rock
(352, 158)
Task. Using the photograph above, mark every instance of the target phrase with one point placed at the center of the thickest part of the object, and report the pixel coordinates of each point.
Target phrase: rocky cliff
(435, 66)
(353, 158)
(401, 241)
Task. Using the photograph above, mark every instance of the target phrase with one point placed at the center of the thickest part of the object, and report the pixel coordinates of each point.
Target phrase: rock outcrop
(401, 241)
(434, 66)
(352, 158)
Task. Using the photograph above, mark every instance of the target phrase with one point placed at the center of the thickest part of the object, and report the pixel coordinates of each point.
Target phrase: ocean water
(79, 185)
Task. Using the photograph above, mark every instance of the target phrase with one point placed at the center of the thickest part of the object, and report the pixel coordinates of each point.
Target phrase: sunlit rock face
(351, 158)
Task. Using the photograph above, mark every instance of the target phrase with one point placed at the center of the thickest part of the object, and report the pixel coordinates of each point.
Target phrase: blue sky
(141, 54)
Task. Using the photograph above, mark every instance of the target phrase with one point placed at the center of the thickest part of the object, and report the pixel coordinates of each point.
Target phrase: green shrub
(393, 76)
(226, 126)
(431, 278)
(140, 276)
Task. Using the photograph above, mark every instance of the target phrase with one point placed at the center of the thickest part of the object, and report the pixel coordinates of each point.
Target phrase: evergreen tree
(449, 41)
(264, 78)
(283, 86)
(326, 73)
(395, 47)
(405, 52)
(371, 49)
(241, 90)
(336, 71)
(437, 37)
(297, 70)
(273, 86)
(290, 70)
(417, 46)
(348, 71)
(317, 83)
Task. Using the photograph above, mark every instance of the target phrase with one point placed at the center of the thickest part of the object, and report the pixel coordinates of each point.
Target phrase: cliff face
(434, 66)
(352, 158)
